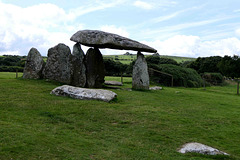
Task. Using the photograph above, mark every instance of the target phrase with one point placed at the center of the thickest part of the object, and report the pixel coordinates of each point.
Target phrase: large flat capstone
(100, 39)
(84, 94)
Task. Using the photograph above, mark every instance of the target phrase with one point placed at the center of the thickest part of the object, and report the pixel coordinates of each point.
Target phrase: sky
(187, 28)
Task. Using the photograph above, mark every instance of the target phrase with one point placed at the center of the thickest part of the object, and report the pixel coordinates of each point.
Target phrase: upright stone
(95, 68)
(140, 77)
(58, 66)
(78, 67)
(34, 65)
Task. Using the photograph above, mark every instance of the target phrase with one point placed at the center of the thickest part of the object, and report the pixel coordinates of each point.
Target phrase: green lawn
(138, 125)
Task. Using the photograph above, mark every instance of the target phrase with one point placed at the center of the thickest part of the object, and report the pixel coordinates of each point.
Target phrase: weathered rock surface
(78, 77)
(200, 148)
(95, 68)
(113, 83)
(84, 94)
(140, 76)
(100, 39)
(34, 65)
(155, 88)
(58, 66)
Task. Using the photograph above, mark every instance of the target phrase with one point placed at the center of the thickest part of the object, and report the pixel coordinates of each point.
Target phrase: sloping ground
(127, 59)
(138, 125)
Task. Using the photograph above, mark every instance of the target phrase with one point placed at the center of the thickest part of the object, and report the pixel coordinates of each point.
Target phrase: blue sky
(192, 28)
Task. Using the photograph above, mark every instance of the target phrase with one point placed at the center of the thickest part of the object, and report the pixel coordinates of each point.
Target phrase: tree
(114, 68)
(206, 64)
(159, 60)
(230, 66)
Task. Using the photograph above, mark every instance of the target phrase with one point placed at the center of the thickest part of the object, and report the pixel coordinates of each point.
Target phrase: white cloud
(238, 32)
(95, 6)
(194, 46)
(143, 5)
(16, 53)
(116, 30)
(36, 26)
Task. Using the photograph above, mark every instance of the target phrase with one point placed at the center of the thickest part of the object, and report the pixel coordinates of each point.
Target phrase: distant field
(127, 59)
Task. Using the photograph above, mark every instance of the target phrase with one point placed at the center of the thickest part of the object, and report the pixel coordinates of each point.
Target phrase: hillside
(127, 59)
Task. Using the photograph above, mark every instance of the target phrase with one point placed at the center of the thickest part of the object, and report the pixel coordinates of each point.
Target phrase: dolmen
(99, 39)
(87, 70)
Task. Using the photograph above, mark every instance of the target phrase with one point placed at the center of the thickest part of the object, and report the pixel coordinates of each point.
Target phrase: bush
(11, 69)
(113, 68)
(213, 78)
(158, 60)
(185, 77)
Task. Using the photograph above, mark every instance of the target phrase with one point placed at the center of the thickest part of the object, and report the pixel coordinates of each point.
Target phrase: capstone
(100, 39)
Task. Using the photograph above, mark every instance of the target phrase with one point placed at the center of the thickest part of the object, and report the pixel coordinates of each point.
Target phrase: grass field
(127, 59)
(138, 125)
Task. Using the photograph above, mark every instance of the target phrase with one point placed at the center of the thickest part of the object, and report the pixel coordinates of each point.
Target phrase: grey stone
(95, 68)
(155, 88)
(100, 39)
(140, 76)
(58, 66)
(114, 83)
(84, 93)
(34, 65)
(78, 77)
(200, 148)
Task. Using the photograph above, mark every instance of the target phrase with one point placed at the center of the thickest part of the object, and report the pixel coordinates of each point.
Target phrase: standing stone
(34, 65)
(78, 67)
(58, 66)
(140, 77)
(95, 68)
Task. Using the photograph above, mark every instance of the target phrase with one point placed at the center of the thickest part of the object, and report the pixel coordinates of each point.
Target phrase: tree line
(188, 73)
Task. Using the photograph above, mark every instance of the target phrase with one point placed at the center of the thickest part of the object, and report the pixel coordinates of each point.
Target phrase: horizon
(173, 27)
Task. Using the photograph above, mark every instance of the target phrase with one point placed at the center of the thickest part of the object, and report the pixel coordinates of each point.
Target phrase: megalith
(100, 39)
(140, 76)
(34, 65)
(58, 66)
(78, 77)
(83, 93)
(95, 68)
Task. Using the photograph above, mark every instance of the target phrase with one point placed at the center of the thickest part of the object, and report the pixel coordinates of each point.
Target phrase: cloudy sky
(190, 28)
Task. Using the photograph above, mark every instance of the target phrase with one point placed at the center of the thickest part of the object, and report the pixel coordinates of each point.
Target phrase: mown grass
(138, 125)
(9, 75)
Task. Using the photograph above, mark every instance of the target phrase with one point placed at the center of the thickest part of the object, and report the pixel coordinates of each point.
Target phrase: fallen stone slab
(100, 39)
(83, 93)
(113, 83)
(200, 148)
(155, 88)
